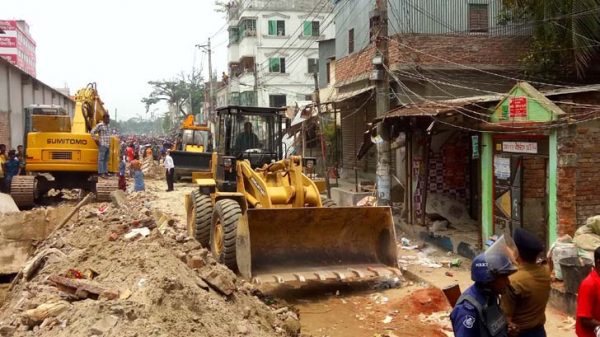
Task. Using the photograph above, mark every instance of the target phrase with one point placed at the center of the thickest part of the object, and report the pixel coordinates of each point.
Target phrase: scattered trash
(388, 319)
(456, 263)
(135, 232)
(449, 274)
(568, 324)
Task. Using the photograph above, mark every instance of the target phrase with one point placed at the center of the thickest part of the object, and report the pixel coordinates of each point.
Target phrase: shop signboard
(517, 107)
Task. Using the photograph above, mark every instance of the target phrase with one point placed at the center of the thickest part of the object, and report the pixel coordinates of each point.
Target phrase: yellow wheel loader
(193, 149)
(262, 217)
(61, 153)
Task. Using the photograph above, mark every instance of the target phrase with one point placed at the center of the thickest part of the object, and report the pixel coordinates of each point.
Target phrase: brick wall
(4, 129)
(587, 193)
(567, 178)
(352, 66)
(471, 50)
(534, 179)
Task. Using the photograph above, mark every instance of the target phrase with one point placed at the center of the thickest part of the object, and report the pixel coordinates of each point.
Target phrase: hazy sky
(119, 44)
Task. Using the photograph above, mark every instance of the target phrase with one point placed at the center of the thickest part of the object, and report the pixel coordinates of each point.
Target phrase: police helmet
(487, 266)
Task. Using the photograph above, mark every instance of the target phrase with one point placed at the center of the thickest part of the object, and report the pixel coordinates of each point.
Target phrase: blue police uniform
(477, 314)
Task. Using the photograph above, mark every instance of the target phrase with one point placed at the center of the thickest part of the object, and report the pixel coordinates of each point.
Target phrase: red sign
(9, 42)
(12, 58)
(8, 24)
(517, 107)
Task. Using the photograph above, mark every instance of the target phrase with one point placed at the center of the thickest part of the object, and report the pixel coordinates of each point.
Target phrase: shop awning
(340, 97)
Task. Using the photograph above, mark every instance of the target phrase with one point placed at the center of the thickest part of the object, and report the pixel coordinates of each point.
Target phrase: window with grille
(313, 66)
(478, 18)
(351, 41)
(276, 27)
(277, 65)
(248, 27)
(311, 28)
(276, 101)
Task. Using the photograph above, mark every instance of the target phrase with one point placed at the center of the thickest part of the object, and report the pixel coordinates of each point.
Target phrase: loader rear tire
(226, 215)
(326, 202)
(202, 210)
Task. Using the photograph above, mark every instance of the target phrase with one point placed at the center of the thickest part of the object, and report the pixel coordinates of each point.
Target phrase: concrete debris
(119, 199)
(137, 233)
(221, 280)
(38, 260)
(7, 204)
(37, 315)
(104, 325)
(151, 287)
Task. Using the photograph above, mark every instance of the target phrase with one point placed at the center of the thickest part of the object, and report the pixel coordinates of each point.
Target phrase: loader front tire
(202, 210)
(226, 215)
(326, 202)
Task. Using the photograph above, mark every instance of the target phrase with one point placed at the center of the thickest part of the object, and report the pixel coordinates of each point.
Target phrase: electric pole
(382, 101)
(322, 129)
(206, 47)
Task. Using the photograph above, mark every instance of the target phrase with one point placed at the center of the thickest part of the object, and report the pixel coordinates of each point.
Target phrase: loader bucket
(287, 245)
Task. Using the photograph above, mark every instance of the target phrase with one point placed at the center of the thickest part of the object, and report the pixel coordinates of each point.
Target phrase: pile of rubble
(123, 270)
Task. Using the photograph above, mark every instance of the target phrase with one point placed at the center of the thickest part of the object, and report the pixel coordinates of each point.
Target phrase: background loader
(262, 217)
(193, 149)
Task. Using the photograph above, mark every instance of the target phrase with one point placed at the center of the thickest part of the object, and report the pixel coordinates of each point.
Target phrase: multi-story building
(273, 51)
(17, 45)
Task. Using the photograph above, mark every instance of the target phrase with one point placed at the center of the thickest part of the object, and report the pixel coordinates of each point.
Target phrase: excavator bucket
(287, 245)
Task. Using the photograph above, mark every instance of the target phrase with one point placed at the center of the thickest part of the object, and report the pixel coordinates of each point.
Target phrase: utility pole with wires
(206, 47)
(379, 22)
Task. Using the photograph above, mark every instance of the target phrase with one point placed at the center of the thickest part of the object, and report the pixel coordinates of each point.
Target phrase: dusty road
(414, 309)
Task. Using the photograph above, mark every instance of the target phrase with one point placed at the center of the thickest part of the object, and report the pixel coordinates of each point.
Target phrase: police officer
(477, 312)
(524, 302)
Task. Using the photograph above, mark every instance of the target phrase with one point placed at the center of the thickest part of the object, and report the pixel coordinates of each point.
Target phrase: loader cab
(247, 133)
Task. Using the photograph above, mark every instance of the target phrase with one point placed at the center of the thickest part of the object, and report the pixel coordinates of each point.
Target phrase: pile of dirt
(426, 301)
(129, 272)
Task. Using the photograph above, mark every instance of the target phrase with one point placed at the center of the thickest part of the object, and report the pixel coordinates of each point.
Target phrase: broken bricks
(83, 288)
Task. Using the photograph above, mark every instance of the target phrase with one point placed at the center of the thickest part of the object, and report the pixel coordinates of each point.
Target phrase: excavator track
(104, 187)
(23, 190)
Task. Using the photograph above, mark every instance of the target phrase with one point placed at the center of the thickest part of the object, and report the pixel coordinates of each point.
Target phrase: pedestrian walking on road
(477, 312)
(588, 302)
(524, 302)
(101, 135)
(122, 180)
(169, 170)
(138, 176)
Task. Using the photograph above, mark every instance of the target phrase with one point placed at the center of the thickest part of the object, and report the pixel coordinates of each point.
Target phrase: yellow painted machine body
(55, 143)
(316, 244)
(286, 234)
(67, 152)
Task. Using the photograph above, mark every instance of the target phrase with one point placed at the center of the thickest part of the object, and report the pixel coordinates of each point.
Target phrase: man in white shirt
(170, 170)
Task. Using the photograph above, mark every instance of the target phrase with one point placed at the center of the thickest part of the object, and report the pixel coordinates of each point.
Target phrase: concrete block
(343, 197)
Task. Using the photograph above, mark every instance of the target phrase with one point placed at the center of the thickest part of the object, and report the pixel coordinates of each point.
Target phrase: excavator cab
(263, 217)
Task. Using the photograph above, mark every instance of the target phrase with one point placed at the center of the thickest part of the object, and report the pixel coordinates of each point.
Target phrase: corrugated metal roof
(350, 94)
(426, 109)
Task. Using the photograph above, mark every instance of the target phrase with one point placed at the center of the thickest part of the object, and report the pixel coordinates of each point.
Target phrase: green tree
(565, 37)
(178, 92)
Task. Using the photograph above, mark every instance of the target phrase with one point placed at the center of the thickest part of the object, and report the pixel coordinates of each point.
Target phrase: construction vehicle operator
(477, 312)
(246, 140)
(101, 135)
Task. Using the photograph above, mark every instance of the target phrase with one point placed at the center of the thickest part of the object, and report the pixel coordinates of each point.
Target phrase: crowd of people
(11, 164)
